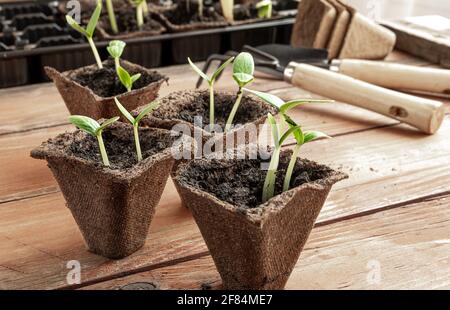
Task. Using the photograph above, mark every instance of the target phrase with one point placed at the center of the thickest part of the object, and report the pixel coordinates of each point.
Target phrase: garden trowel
(355, 81)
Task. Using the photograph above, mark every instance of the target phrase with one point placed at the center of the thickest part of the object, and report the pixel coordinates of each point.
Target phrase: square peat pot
(179, 111)
(113, 206)
(254, 245)
(77, 89)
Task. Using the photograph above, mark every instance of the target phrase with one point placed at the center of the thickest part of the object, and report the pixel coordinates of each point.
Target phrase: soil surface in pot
(181, 15)
(250, 109)
(119, 144)
(105, 82)
(240, 182)
(126, 22)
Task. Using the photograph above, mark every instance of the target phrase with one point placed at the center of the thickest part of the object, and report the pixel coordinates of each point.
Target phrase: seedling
(264, 8)
(135, 122)
(227, 9)
(141, 9)
(89, 31)
(115, 49)
(112, 16)
(126, 79)
(294, 129)
(93, 128)
(210, 81)
(243, 69)
(269, 182)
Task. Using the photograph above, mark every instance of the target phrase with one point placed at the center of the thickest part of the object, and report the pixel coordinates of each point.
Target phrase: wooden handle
(397, 76)
(424, 114)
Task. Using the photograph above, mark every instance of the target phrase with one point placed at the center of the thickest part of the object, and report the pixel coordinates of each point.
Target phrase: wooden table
(387, 226)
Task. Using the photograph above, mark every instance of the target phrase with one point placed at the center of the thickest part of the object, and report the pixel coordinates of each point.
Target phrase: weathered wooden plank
(387, 166)
(402, 248)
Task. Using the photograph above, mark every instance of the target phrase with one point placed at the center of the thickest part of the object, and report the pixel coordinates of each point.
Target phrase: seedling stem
(234, 109)
(95, 52)
(102, 149)
(112, 16)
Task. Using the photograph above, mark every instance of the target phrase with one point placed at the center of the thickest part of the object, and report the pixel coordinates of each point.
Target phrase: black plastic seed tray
(36, 35)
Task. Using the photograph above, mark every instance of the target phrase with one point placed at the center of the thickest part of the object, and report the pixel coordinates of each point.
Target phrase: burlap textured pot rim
(167, 102)
(171, 27)
(260, 214)
(113, 208)
(82, 100)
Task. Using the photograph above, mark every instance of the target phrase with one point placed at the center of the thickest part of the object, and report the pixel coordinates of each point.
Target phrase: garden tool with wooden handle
(355, 82)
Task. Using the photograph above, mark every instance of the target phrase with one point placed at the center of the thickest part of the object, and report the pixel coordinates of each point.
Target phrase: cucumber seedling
(264, 8)
(126, 79)
(112, 16)
(141, 10)
(301, 138)
(243, 69)
(135, 122)
(89, 31)
(115, 49)
(93, 128)
(210, 81)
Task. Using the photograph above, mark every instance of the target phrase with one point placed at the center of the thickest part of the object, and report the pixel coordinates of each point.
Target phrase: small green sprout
(127, 79)
(211, 86)
(93, 128)
(264, 8)
(112, 16)
(294, 129)
(135, 122)
(269, 182)
(89, 31)
(141, 10)
(300, 138)
(115, 49)
(243, 69)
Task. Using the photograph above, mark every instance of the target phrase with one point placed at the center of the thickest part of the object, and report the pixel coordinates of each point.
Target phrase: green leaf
(73, 23)
(85, 123)
(264, 8)
(288, 132)
(124, 111)
(243, 63)
(274, 127)
(242, 78)
(314, 135)
(220, 69)
(106, 124)
(298, 134)
(293, 103)
(90, 28)
(146, 110)
(135, 77)
(124, 77)
(199, 72)
(115, 48)
(269, 98)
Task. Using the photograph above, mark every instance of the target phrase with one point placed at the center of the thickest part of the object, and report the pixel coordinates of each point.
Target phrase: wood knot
(398, 111)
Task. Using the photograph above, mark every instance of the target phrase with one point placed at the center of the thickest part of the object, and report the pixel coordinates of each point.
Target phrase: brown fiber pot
(81, 100)
(167, 115)
(256, 248)
(112, 207)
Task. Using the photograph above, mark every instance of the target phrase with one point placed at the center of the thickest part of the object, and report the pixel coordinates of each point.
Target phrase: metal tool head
(272, 59)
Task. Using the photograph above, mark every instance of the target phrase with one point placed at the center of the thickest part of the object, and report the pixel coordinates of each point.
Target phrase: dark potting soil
(119, 144)
(126, 22)
(187, 105)
(181, 15)
(240, 182)
(105, 82)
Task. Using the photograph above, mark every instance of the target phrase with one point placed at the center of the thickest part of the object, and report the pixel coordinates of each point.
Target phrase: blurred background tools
(336, 26)
(311, 70)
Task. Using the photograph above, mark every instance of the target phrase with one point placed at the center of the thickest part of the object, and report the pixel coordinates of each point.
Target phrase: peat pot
(112, 206)
(254, 245)
(90, 91)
